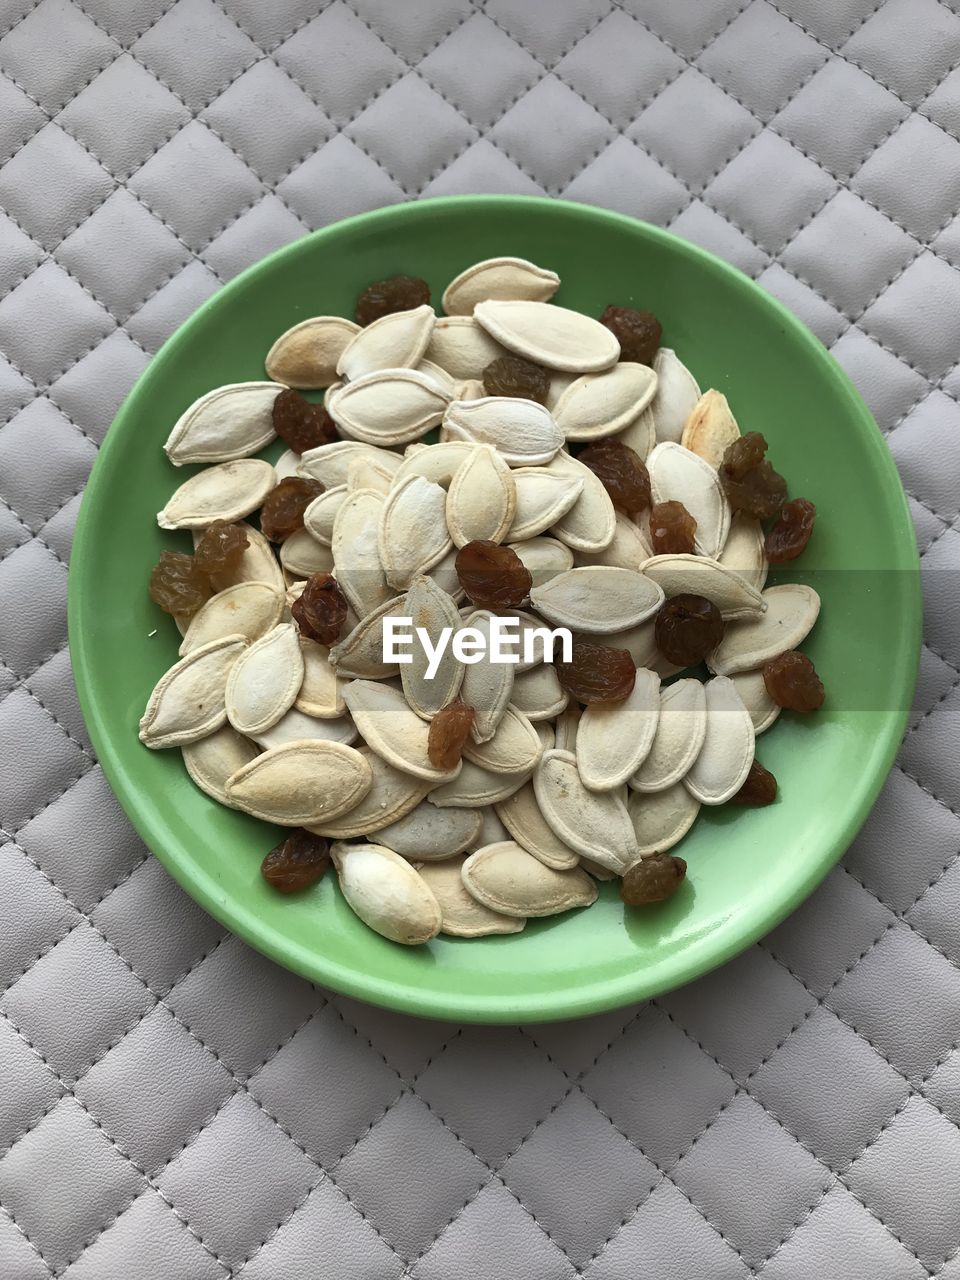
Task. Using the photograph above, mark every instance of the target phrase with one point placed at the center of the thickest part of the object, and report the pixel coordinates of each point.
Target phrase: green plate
(747, 868)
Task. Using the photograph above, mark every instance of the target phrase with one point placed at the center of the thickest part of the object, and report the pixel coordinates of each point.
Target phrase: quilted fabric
(174, 1105)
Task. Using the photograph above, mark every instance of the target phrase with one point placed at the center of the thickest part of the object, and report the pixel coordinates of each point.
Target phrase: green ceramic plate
(748, 869)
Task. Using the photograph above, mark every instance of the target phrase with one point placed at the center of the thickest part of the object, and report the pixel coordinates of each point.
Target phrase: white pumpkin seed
(306, 356)
(594, 823)
(513, 748)
(724, 760)
(678, 475)
(591, 522)
(297, 727)
(394, 341)
(474, 787)
(430, 609)
(321, 690)
(565, 730)
(743, 551)
(753, 693)
(331, 463)
(521, 430)
(445, 381)
(389, 407)
(597, 599)
(303, 555)
(438, 463)
(444, 574)
(250, 609)
(320, 514)
(332, 390)
(366, 474)
(550, 335)
(210, 761)
(257, 564)
(641, 434)
(429, 834)
(529, 625)
(461, 347)
(594, 869)
(386, 893)
(487, 686)
(558, 385)
(463, 916)
(546, 734)
(537, 693)
(228, 492)
(701, 576)
(627, 548)
(614, 738)
(520, 814)
(680, 733)
(792, 610)
(601, 404)
(392, 795)
(482, 499)
(225, 424)
(641, 643)
(492, 829)
(392, 729)
(356, 555)
(542, 498)
(505, 878)
(502, 278)
(412, 534)
(544, 557)
(470, 389)
(288, 464)
(187, 701)
(359, 655)
(300, 784)
(661, 820)
(263, 682)
(710, 428)
(677, 393)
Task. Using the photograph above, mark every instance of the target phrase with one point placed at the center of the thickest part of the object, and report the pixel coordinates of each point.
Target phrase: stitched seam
(22, 684)
(32, 1243)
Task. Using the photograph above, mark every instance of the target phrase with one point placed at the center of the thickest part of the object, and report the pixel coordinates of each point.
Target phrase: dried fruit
(672, 529)
(321, 610)
(284, 505)
(652, 880)
(297, 862)
(383, 297)
(220, 548)
(300, 424)
(514, 376)
(741, 456)
(597, 673)
(791, 533)
(493, 576)
(688, 627)
(622, 473)
(792, 682)
(449, 732)
(760, 788)
(177, 583)
(638, 332)
(748, 480)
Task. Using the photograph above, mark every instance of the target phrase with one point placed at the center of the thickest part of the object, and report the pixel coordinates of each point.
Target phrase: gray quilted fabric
(171, 1104)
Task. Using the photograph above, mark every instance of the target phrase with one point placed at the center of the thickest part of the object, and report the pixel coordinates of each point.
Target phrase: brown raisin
(791, 680)
(284, 505)
(220, 548)
(743, 454)
(494, 577)
(297, 862)
(748, 480)
(638, 332)
(321, 609)
(687, 628)
(791, 533)
(621, 471)
(300, 424)
(652, 879)
(514, 376)
(759, 789)
(177, 585)
(672, 529)
(597, 673)
(383, 297)
(449, 731)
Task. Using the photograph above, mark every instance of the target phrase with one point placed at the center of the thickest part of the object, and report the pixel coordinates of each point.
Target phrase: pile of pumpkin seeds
(548, 798)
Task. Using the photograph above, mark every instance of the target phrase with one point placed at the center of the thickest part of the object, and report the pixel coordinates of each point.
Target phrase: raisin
(652, 879)
(687, 628)
(597, 673)
(297, 862)
(220, 548)
(791, 533)
(494, 577)
(177, 584)
(449, 731)
(321, 609)
(760, 787)
(748, 480)
(638, 332)
(672, 529)
(621, 471)
(791, 680)
(383, 297)
(284, 505)
(514, 376)
(300, 424)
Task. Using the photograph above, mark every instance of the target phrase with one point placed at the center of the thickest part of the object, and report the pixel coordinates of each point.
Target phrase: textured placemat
(173, 1105)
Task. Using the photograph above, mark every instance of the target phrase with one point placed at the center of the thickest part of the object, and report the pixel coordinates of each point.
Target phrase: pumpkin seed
(627, 548)
(445, 381)
(487, 686)
(461, 347)
(366, 474)
(538, 694)
(677, 394)
(228, 491)
(482, 499)
(463, 916)
(386, 893)
(470, 389)
(546, 734)
(558, 385)
(258, 564)
(187, 702)
(320, 694)
(513, 748)
(332, 390)
(301, 554)
(641, 434)
(521, 430)
(210, 761)
(359, 655)
(356, 555)
(492, 829)
(550, 335)
(438, 463)
(591, 522)
(528, 623)
(389, 407)
(331, 463)
(264, 680)
(392, 795)
(594, 869)
(565, 730)
(428, 834)
(701, 576)
(792, 610)
(724, 760)
(594, 823)
(444, 574)
(392, 729)
(614, 738)
(743, 551)
(300, 784)
(413, 533)
(601, 404)
(520, 814)
(297, 727)
(542, 498)
(753, 693)
(250, 609)
(430, 609)
(505, 878)
(597, 599)
(710, 428)
(661, 820)
(679, 475)
(475, 787)
(395, 341)
(501, 278)
(680, 733)
(544, 557)
(320, 514)
(287, 465)
(306, 356)
(225, 424)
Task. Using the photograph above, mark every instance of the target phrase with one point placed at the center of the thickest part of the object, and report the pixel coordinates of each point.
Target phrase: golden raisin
(760, 787)
(748, 480)
(621, 471)
(791, 680)
(220, 548)
(449, 731)
(672, 529)
(514, 376)
(321, 609)
(791, 533)
(638, 332)
(300, 424)
(597, 673)
(284, 505)
(176, 583)
(383, 297)
(494, 577)
(687, 628)
(297, 862)
(652, 879)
